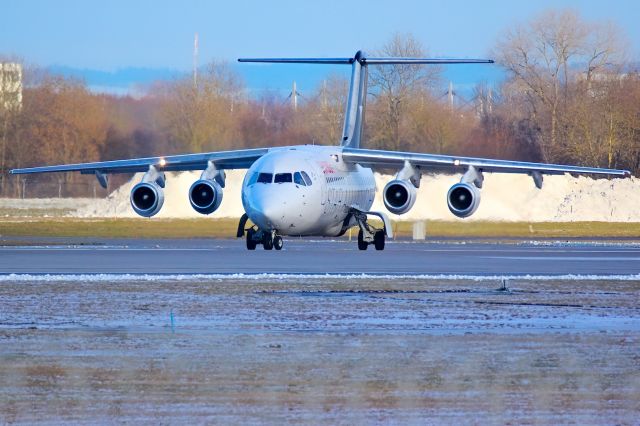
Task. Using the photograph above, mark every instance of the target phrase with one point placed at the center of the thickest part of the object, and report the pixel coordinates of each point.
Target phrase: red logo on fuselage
(326, 168)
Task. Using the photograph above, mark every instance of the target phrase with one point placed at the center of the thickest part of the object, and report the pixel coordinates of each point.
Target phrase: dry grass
(226, 228)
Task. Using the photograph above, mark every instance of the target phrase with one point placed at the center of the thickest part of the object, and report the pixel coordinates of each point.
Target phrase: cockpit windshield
(265, 177)
(306, 178)
(282, 178)
(299, 178)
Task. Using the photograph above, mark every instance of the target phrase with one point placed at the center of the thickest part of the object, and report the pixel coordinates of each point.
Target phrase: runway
(211, 256)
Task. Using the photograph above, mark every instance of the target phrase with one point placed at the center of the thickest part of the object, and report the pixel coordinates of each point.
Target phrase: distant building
(10, 85)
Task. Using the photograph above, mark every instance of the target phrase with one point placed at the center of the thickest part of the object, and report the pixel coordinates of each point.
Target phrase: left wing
(451, 163)
(237, 159)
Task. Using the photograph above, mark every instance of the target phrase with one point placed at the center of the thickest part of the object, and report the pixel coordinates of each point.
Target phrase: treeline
(570, 96)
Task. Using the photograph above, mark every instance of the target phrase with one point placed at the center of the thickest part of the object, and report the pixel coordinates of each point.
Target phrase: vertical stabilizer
(356, 103)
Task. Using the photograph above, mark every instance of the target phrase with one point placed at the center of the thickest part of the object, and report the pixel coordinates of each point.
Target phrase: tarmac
(306, 256)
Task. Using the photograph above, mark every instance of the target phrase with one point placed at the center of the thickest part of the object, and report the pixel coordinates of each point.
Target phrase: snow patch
(271, 277)
(505, 197)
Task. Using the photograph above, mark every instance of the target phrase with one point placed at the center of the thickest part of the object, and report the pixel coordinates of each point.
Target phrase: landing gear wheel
(278, 243)
(378, 240)
(251, 244)
(362, 244)
(267, 242)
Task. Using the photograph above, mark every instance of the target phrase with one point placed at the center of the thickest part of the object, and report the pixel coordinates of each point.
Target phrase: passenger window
(282, 178)
(297, 179)
(306, 178)
(265, 177)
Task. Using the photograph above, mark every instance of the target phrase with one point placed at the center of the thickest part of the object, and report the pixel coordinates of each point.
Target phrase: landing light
(456, 162)
(162, 162)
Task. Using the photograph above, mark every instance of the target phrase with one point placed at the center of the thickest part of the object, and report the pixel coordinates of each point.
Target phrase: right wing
(379, 159)
(236, 159)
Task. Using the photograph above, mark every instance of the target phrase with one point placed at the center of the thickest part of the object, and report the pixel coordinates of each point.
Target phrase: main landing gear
(378, 240)
(368, 234)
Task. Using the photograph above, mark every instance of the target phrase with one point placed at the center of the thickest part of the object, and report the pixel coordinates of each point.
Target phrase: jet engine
(463, 199)
(205, 196)
(147, 198)
(399, 196)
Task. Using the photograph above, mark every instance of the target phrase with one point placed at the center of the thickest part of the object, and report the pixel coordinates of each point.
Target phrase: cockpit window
(265, 177)
(306, 178)
(297, 179)
(282, 178)
(253, 179)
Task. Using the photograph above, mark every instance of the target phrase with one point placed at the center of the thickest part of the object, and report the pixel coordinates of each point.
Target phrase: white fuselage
(306, 190)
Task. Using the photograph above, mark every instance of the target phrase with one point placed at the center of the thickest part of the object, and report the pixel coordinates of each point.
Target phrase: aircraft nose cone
(268, 212)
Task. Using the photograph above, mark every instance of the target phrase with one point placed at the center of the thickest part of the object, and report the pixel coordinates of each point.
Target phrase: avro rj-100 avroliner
(318, 190)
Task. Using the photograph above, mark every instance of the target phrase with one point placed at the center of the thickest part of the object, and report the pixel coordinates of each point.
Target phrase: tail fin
(356, 103)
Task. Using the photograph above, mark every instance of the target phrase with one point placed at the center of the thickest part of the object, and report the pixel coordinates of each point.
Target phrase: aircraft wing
(237, 159)
(451, 163)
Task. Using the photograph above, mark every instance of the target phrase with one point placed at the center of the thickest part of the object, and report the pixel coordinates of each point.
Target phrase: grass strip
(226, 228)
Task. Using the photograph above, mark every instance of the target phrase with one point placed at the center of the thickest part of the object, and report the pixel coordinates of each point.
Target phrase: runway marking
(565, 258)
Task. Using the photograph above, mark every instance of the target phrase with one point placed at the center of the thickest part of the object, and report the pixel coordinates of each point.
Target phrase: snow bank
(505, 197)
(45, 203)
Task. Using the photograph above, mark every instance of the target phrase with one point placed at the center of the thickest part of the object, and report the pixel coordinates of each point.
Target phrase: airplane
(310, 190)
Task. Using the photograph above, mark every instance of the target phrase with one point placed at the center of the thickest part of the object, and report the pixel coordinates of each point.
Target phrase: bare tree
(545, 59)
(326, 110)
(392, 86)
(199, 118)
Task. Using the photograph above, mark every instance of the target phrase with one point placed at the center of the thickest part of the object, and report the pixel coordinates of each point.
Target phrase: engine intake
(147, 198)
(463, 199)
(399, 196)
(205, 196)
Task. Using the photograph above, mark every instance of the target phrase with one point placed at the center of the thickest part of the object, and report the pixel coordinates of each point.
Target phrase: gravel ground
(330, 351)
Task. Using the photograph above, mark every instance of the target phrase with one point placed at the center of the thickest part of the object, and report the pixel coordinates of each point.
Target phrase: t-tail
(356, 102)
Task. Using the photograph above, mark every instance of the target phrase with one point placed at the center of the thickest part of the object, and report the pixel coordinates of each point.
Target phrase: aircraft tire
(362, 244)
(267, 243)
(251, 244)
(278, 242)
(378, 240)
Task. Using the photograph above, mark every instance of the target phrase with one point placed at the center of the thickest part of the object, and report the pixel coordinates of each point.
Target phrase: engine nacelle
(147, 198)
(463, 199)
(399, 196)
(205, 196)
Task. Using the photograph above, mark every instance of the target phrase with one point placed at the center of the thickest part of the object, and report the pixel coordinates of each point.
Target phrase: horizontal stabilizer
(345, 61)
(435, 61)
(364, 60)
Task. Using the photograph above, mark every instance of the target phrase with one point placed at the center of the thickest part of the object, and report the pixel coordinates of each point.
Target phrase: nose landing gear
(269, 240)
(254, 236)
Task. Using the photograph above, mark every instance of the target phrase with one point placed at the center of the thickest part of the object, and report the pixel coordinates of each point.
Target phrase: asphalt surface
(322, 256)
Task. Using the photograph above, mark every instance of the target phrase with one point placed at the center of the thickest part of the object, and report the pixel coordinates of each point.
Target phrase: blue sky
(115, 34)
